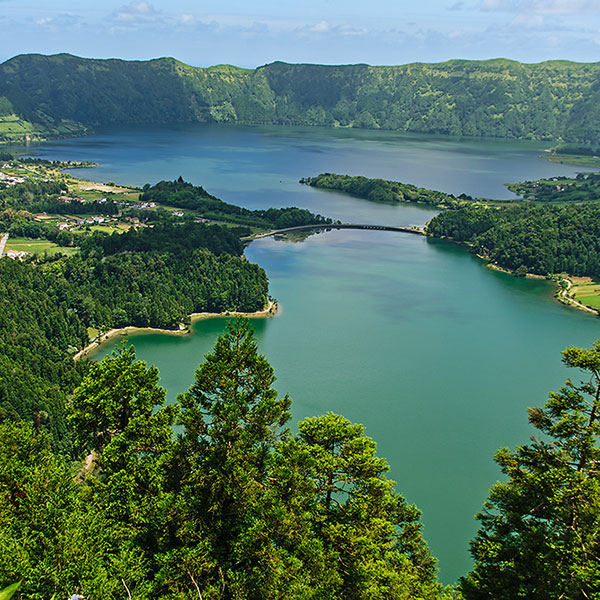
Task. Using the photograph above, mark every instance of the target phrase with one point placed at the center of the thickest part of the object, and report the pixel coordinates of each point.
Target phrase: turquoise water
(437, 356)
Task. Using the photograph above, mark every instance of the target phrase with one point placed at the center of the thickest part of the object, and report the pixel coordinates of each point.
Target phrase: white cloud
(542, 7)
(60, 21)
(187, 19)
(326, 28)
(135, 13)
(320, 27)
(564, 7)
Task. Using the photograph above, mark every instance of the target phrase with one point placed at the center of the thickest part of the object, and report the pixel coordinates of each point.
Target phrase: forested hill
(63, 93)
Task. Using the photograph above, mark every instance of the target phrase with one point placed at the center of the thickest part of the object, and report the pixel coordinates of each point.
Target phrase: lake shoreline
(271, 310)
(561, 294)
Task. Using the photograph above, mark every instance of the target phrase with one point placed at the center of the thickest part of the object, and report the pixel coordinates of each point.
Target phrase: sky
(251, 33)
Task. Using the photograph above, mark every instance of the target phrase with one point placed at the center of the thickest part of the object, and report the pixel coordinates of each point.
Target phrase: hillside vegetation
(539, 239)
(64, 94)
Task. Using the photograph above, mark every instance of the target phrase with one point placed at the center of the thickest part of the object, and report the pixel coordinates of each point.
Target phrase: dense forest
(540, 239)
(66, 95)
(166, 238)
(134, 279)
(234, 507)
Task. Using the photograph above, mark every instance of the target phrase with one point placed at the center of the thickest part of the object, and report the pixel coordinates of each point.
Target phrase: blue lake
(436, 355)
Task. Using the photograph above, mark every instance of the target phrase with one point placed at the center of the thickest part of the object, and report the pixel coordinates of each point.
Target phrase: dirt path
(564, 295)
(3, 243)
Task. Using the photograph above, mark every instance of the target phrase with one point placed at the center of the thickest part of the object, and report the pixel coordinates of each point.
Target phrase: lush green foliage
(185, 195)
(39, 331)
(540, 239)
(166, 237)
(575, 150)
(28, 194)
(502, 98)
(155, 278)
(235, 508)
(64, 534)
(8, 592)
(538, 537)
(381, 190)
(154, 289)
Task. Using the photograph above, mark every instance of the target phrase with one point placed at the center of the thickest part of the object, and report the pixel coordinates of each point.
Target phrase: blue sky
(251, 33)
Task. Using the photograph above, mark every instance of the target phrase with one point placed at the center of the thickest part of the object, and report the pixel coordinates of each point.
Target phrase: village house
(10, 180)
(17, 254)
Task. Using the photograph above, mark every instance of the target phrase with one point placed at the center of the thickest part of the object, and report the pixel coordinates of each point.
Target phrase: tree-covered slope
(542, 239)
(502, 98)
(155, 277)
(47, 89)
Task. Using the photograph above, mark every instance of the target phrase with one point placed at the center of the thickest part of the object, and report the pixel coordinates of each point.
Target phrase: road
(3, 243)
(565, 295)
(417, 230)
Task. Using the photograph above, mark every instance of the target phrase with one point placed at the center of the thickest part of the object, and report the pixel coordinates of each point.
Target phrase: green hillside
(63, 94)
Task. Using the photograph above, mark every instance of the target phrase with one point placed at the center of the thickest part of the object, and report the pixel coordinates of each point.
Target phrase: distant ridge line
(64, 95)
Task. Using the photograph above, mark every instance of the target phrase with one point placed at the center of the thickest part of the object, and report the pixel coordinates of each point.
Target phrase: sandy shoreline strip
(270, 310)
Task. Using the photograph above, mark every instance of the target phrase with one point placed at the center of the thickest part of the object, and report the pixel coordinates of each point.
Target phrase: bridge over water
(399, 228)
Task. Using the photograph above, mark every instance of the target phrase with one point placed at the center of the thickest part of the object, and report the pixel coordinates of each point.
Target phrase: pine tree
(118, 413)
(369, 532)
(538, 537)
(232, 420)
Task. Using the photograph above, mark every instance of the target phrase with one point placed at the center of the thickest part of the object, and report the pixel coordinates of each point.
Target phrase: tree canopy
(542, 239)
(538, 535)
(235, 507)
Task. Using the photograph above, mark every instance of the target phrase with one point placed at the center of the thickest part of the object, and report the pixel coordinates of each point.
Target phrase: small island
(551, 231)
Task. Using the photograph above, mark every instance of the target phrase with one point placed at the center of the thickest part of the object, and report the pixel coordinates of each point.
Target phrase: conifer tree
(371, 534)
(119, 415)
(233, 419)
(539, 534)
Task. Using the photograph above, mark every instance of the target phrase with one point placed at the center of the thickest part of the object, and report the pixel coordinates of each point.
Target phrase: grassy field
(574, 159)
(586, 291)
(14, 125)
(17, 244)
(93, 333)
(119, 228)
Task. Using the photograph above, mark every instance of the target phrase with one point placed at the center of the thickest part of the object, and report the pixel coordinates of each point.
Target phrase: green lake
(436, 355)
